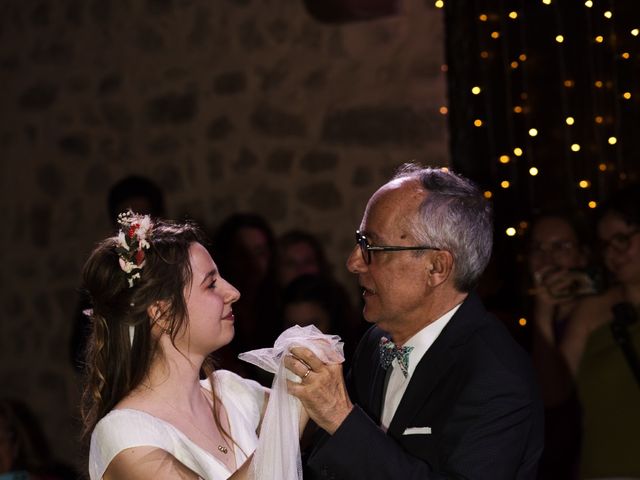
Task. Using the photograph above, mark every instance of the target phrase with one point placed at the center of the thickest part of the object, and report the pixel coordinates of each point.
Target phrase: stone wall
(230, 105)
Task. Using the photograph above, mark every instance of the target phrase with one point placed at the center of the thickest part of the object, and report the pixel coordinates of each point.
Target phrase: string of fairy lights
(588, 152)
(554, 92)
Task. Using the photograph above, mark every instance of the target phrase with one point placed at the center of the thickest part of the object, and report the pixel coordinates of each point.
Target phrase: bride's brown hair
(115, 365)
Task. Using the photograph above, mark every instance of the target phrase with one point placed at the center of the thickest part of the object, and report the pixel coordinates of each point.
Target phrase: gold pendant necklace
(221, 448)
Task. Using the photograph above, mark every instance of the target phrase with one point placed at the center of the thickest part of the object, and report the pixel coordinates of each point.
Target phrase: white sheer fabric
(125, 428)
(277, 456)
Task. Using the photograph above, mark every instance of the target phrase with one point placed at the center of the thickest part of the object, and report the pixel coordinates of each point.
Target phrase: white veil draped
(277, 456)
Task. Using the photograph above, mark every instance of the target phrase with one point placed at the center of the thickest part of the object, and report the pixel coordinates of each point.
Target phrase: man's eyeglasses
(366, 248)
(620, 242)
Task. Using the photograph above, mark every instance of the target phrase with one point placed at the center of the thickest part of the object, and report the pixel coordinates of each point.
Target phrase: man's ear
(439, 267)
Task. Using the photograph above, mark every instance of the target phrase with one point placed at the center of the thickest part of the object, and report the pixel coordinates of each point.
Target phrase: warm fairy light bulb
(584, 184)
(533, 132)
(592, 204)
(559, 38)
(598, 83)
(569, 120)
(522, 57)
(612, 140)
(588, 4)
(533, 171)
(477, 122)
(513, 15)
(505, 184)
(626, 55)
(488, 194)
(514, 64)
(602, 167)
(546, 2)
(439, 4)
(599, 39)
(504, 159)
(517, 109)
(495, 35)
(517, 152)
(476, 90)
(444, 110)
(510, 232)
(599, 119)
(608, 14)
(484, 54)
(483, 17)
(635, 32)
(569, 83)
(522, 322)
(626, 95)
(575, 147)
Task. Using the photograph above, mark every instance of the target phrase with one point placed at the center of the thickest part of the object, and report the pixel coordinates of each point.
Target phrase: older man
(437, 388)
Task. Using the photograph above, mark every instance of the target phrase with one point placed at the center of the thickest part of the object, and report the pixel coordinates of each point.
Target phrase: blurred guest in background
(601, 347)
(24, 451)
(300, 253)
(557, 259)
(244, 247)
(141, 195)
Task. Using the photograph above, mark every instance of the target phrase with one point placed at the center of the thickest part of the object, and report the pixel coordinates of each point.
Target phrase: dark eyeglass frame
(620, 242)
(366, 248)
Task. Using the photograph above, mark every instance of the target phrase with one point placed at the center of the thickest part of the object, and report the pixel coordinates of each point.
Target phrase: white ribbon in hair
(277, 456)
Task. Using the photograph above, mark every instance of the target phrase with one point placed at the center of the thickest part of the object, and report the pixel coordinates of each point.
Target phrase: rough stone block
(320, 196)
(219, 128)
(76, 144)
(172, 108)
(372, 126)
(38, 97)
(230, 83)
(319, 161)
(269, 202)
(280, 160)
(246, 161)
(277, 123)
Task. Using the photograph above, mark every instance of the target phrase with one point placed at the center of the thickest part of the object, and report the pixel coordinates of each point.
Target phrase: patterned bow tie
(389, 351)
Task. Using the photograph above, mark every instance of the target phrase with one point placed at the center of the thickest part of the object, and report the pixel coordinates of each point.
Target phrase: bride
(160, 307)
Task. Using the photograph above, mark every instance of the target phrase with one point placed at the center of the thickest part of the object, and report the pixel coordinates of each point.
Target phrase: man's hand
(322, 392)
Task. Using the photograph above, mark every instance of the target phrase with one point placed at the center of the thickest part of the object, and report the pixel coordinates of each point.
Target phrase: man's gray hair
(455, 217)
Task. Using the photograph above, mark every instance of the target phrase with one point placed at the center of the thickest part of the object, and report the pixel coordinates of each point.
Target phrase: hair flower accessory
(132, 242)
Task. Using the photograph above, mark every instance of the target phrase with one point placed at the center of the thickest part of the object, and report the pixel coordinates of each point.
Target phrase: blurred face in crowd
(255, 242)
(554, 245)
(296, 260)
(305, 313)
(620, 248)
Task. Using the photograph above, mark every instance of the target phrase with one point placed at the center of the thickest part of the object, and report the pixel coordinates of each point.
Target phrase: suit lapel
(435, 363)
(377, 392)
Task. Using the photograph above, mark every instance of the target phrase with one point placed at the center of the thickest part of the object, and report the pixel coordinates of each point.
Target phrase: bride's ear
(156, 312)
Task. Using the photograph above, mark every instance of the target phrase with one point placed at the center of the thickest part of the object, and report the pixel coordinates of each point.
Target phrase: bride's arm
(243, 472)
(142, 463)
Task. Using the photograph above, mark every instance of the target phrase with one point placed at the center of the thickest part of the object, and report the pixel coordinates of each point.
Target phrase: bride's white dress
(125, 428)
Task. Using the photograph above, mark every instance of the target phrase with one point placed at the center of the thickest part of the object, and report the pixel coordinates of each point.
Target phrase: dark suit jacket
(474, 389)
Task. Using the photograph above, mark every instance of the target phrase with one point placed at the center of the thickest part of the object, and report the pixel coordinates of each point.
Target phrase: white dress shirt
(397, 384)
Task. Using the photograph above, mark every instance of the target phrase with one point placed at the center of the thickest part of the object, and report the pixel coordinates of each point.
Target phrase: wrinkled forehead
(396, 201)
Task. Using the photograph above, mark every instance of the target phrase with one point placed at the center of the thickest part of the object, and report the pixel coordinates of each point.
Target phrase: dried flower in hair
(132, 241)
